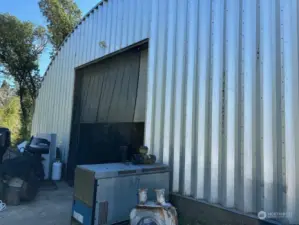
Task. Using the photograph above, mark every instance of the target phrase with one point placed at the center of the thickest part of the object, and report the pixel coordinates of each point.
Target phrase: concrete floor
(49, 208)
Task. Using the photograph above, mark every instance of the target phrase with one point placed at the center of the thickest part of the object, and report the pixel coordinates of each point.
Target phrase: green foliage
(10, 118)
(62, 16)
(21, 44)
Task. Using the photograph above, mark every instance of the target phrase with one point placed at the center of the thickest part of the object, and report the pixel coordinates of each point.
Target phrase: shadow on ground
(49, 208)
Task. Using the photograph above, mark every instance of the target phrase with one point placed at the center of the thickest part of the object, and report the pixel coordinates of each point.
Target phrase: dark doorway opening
(108, 109)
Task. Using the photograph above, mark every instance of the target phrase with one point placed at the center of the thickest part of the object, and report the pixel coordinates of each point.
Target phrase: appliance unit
(48, 153)
(106, 193)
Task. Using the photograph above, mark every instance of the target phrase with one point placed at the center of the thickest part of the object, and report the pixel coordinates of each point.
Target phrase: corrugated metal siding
(119, 23)
(222, 106)
(222, 93)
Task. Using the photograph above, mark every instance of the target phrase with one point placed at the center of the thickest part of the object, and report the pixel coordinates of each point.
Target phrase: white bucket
(56, 170)
(142, 195)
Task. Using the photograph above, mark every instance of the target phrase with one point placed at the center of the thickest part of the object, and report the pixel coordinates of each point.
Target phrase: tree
(62, 16)
(21, 43)
(10, 117)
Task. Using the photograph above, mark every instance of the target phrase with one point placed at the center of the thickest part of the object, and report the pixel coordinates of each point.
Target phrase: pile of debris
(21, 172)
(20, 178)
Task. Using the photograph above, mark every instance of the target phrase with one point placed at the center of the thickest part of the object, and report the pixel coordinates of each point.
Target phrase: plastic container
(56, 170)
(142, 196)
(160, 193)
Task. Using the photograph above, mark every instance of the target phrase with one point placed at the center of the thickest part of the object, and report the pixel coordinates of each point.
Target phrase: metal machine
(45, 145)
(106, 193)
(4, 141)
(157, 212)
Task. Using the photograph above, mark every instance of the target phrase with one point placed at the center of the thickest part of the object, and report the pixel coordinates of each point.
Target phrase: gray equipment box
(106, 193)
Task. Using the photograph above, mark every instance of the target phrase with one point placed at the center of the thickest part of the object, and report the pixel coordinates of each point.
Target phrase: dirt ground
(49, 208)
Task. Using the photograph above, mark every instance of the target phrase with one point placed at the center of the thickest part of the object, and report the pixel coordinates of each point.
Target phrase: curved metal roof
(68, 36)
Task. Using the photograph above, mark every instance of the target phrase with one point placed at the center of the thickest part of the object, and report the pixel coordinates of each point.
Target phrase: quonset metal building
(216, 94)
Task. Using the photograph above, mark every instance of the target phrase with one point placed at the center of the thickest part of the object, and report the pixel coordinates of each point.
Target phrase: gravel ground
(49, 208)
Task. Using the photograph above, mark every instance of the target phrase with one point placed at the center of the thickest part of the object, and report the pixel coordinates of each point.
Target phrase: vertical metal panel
(146, 16)
(191, 60)
(63, 89)
(104, 28)
(82, 43)
(169, 83)
(99, 29)
(39, 106)
(62, 77)
(289, 21)
(52, 103)
(216, 95)
(231, 99)
(90, 37)
(151, 77)
(94, 40)
(70, 91)
(59, 91)
(108, 25)
(58, 104)
(50, 80)
(138, 22)
(66, 89)
(268, 73)
(77, 36)
(125, 27)
(120, 17)
(259, 107)
(46, 96)
(131, 21)
(45, 92)
(159, 87)
(101, 33)
(281, 153)
(60, 88)
(85, 41)
(179, 94)
(115, 14)
(92, 31)
(87, 36)
(203, 99)
(249, 104)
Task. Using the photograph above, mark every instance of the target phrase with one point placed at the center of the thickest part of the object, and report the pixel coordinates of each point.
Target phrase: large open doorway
(108, 109)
